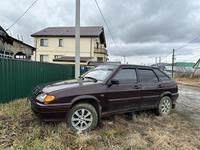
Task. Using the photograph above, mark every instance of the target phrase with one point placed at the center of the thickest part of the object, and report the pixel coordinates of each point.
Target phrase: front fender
(81, 97)
(89, 97)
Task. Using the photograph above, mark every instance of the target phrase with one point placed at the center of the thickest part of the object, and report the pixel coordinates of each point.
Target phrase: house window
(60, 42)
(44, 58)
(99, 59)
(43, 42)
(20, 55)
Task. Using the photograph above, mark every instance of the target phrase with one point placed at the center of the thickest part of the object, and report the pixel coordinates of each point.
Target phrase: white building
(57, 45)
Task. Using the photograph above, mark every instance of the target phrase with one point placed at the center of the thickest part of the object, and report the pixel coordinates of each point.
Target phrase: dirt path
(188, 102)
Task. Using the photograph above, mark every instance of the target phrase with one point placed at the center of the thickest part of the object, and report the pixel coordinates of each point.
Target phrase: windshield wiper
(94, 79)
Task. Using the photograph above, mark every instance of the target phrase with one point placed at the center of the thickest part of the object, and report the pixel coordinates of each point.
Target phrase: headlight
(41, 97)
(48, 99)
(45, 98)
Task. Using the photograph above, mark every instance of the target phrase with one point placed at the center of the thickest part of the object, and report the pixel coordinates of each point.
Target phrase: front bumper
(49, 112)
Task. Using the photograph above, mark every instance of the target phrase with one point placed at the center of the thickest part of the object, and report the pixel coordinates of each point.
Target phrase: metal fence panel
(19, 77)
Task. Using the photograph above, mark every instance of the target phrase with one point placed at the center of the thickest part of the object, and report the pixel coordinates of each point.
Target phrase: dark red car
(103, 91)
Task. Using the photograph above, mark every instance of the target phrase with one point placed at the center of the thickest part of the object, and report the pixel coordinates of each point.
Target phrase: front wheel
(82, 117)
(165, 106)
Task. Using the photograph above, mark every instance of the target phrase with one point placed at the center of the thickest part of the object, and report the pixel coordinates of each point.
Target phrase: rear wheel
(165, 106)
(82, 117)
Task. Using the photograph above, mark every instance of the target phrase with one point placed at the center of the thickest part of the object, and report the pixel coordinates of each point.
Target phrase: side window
(147, 76)
(161, 75)
(126, 76)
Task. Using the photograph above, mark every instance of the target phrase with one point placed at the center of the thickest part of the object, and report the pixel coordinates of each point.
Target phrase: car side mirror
(113, 81)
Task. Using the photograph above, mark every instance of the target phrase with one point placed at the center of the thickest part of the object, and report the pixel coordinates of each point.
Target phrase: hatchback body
(103, 91)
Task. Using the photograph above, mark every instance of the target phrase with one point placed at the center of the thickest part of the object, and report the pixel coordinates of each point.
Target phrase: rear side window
(161, 75)
(147, 76)
(126, 76)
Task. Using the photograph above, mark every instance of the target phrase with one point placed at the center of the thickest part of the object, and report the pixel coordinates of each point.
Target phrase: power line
(185, 45)
(164, 57)
(105, 23)
(179, 52)
(112, 37)
(18, 19)
(191, 58)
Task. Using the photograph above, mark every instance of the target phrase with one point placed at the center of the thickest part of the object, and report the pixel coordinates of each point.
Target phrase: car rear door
(150, 90)
(126, 94)
(164, 80)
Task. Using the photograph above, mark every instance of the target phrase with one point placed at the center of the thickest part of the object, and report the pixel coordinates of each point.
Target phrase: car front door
(125, 94)
(150, 90)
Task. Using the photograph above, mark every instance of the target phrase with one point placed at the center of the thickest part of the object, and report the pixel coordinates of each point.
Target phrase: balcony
(100, 51)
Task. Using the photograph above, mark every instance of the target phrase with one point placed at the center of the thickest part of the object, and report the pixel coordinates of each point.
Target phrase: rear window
(161, 75)
(147, 76)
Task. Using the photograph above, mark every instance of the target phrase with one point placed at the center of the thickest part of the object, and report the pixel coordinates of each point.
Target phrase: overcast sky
(142, 29)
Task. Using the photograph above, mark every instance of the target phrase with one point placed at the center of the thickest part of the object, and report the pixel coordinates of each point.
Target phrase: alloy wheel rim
(81, 119)
(166, 106)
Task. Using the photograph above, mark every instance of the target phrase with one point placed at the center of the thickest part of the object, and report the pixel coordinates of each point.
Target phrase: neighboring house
(184, 68)
(180, 68)
(57, 45)
(13, 48)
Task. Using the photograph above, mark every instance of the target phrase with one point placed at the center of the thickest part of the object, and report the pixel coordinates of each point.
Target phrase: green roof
(184, 64)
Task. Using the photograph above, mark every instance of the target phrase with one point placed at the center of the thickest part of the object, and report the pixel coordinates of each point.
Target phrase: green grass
(20, 129)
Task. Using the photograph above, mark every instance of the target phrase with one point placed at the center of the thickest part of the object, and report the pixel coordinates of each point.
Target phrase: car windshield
(100, 72)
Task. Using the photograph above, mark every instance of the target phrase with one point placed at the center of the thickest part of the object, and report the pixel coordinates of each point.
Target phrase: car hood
(68, 84)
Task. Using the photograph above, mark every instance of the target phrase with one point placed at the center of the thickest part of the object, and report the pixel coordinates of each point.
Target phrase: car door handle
(160, 85)
(136, 86)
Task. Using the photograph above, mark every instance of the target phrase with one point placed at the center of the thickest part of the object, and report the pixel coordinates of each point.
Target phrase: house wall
(100, 55)
(16, 47)
(7, 47)
(1, 44)
(87, 45)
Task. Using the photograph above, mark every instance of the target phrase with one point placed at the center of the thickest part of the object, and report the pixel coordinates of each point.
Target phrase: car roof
(129, 65)
(142, 66)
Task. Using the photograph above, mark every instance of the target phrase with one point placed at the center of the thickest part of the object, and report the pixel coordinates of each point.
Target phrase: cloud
(141, 28)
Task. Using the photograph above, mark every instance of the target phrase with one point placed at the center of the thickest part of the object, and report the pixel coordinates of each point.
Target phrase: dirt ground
(20, 129)
(188, 102)
(188, 81)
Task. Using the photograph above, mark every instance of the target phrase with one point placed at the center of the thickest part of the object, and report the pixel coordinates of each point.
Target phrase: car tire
(164, 106)
(82, 117)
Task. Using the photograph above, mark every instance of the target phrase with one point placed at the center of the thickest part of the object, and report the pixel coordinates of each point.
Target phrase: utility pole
(156, 61)
(124, 59)
(77, 40)
(36, 49)
(173, 63)
(160, 60)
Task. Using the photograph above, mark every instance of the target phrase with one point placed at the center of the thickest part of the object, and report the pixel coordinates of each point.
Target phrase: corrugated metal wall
(18, 77)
